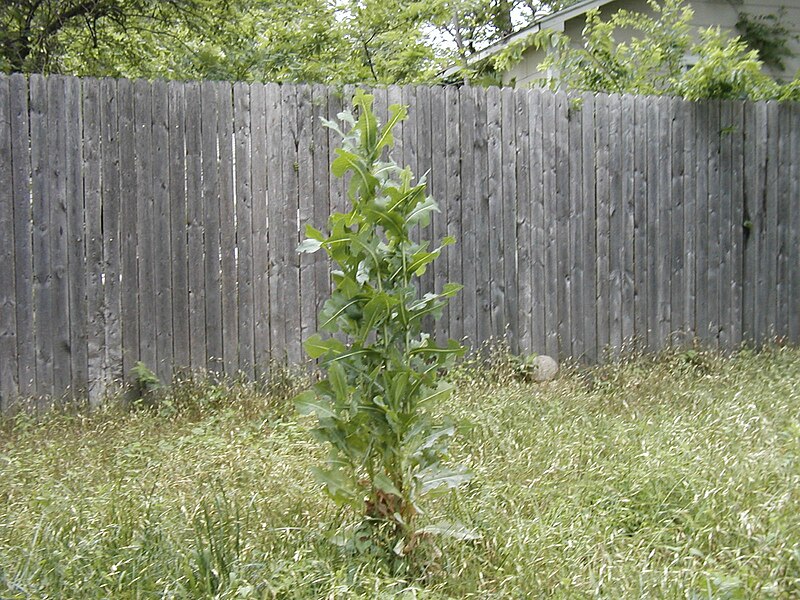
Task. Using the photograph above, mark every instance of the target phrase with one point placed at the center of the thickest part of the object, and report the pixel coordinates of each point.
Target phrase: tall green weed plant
(383, 373)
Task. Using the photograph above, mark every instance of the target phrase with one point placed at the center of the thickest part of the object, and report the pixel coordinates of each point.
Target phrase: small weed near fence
(666, 478)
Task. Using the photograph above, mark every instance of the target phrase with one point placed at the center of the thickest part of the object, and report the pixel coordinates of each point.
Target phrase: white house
(722, 13)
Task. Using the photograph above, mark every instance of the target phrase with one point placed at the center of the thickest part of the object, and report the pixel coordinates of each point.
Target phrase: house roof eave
(555, 21)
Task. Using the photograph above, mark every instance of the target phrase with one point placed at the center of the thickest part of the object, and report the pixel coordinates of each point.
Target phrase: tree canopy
(327, 41)
(376, 41)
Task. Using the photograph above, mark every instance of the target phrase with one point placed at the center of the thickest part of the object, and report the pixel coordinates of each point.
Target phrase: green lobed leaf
(397, 113)
(338, 379)
(382, 482)
(308, 403)
(455, 531)
(339, 486)
(316, 347)
(435, 477)
(309, 246)
(442, 391)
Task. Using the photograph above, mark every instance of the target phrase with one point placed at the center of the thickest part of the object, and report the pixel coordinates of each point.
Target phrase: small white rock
(544, 368)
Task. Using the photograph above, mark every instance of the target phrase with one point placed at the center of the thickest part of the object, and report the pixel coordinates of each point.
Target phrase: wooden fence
(157, 222)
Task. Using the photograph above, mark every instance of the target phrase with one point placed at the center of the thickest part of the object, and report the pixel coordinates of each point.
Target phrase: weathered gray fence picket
(157, 222)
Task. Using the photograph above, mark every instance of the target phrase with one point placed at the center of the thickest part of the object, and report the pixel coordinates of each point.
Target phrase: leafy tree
(653, 61)
(327, 41)
(373, 408)
(36, 34)
(276, 40)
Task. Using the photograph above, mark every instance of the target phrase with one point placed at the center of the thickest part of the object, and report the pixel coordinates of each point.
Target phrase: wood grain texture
(76, 249)
(129, 229)
(229, 277)
(562, 208)
(480, 164)
(163, 260)
(244, 246)
(495, 219)
(653, 226)
(760, 138)
(438, 185)
(195, 225)
(9, 370)
(111, 215)
(58, 319)
(783, 222)
(321, 184)
(577, 212)
(616, 219)
(677, 230)
(509, 228)
(212, 199)
(664, 207)
(522, 212)
(23, 233)
(750, 208)
(258, 174)
(276, 201)
(771, 239)
(305, 172)
(737, 221)
(423, 144)
(40, 200)
(603, 223)
(537, 200)
(178, 223)
(243, 231)
(710, 331)
(628, 208)
(589, 241)
(640, 222)
(702, 314)
(794, 220)
(549, 225)
(452, 206)
(688, 118)
(726, 131)
(94, 305)
(145, 250)
(289, 229)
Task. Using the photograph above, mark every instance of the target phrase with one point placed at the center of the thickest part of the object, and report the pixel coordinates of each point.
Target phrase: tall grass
(670, 478)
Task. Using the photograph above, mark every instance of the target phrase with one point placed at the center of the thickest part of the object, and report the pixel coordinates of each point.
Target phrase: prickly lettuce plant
(373, 405)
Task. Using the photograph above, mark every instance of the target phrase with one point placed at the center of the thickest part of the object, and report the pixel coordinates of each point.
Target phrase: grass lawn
(669, 478)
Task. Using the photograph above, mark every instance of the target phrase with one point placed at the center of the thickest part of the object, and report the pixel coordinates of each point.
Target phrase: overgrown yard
(671, 478)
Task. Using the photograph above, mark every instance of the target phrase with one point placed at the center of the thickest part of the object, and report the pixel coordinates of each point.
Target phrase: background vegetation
(325, 41)
(385, 42)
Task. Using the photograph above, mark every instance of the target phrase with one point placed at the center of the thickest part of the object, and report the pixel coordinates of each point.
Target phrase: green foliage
(348, 41)
(726, 69)
(374, 405)
(145, 384)
(768, 35)
(40, 36)
(653, 61)
(244, 40)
